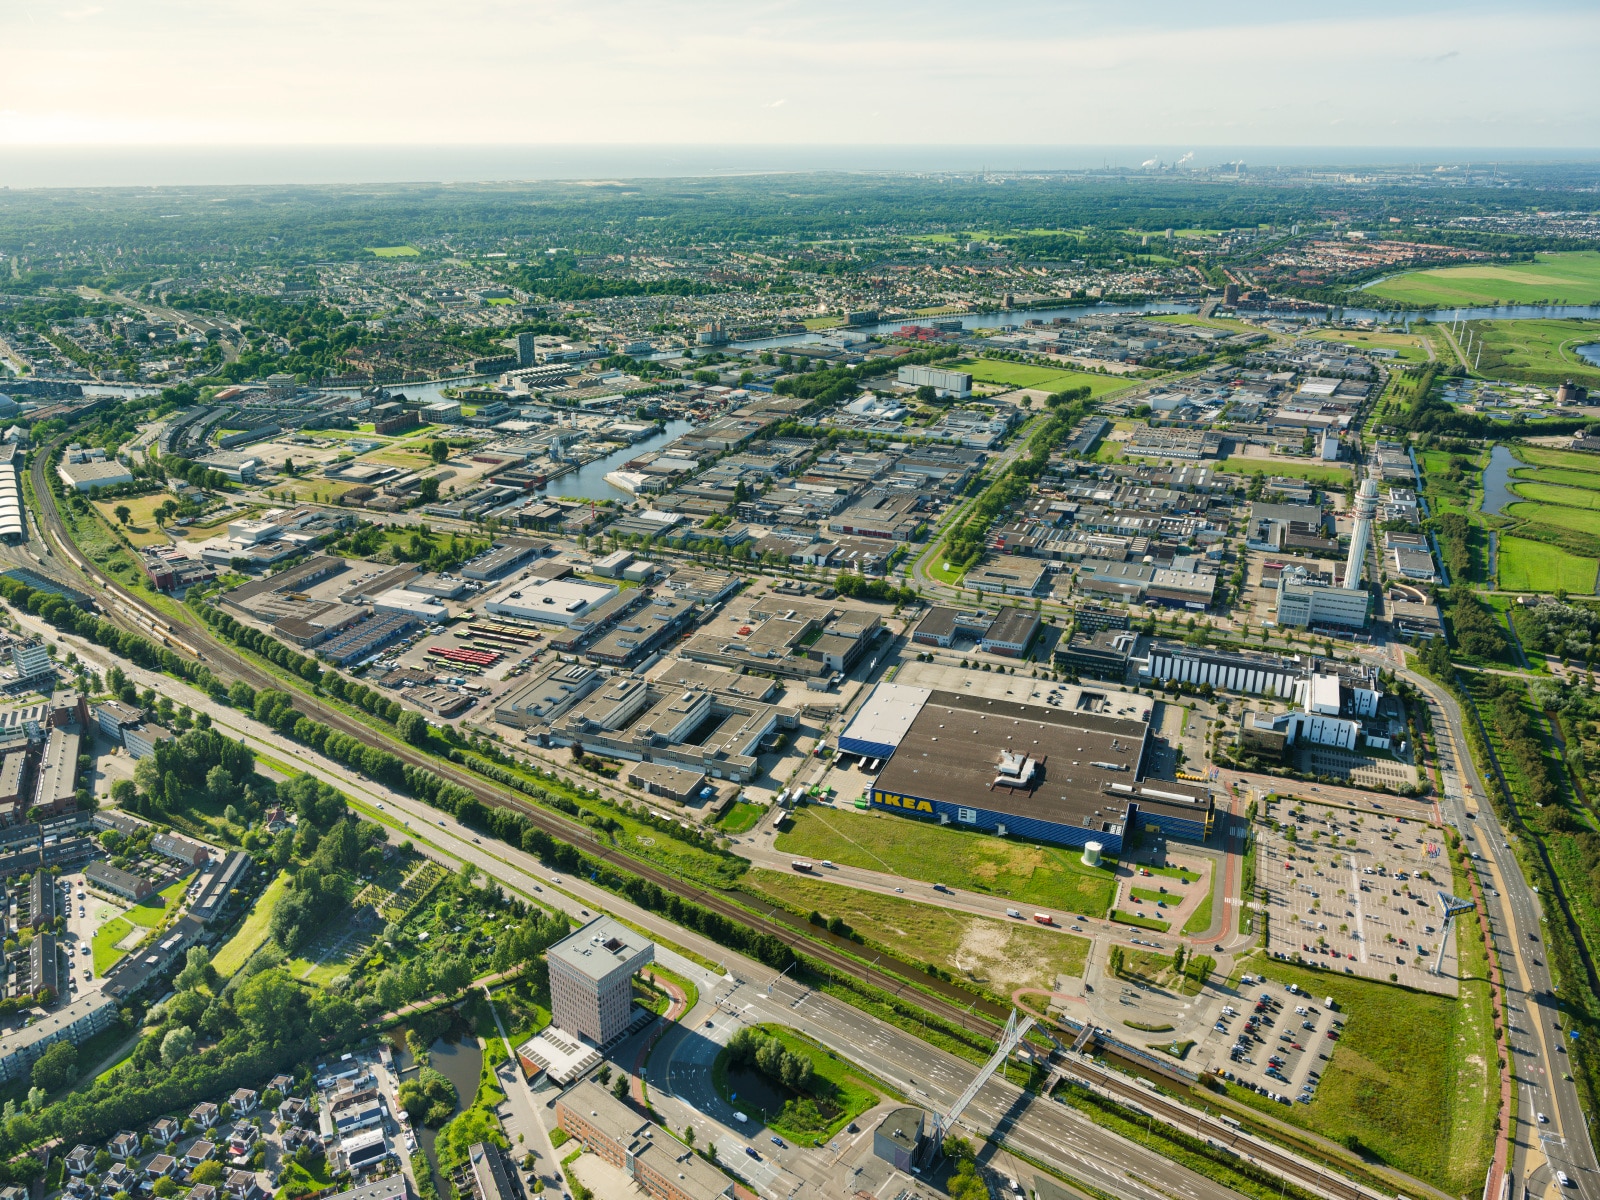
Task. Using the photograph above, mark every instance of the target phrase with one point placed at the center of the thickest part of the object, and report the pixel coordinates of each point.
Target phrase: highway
(1539, 1060)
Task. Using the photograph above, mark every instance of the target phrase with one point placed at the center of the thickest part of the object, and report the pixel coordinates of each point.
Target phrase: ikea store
(1068, 773)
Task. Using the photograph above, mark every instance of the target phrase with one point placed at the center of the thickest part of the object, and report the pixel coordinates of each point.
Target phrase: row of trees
(750, 1048)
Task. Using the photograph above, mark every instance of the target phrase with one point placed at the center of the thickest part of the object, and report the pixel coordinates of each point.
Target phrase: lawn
(1538, 351)
(1551, 278)
(106, 953)
(1045, 876)
(1409, 346)
(1312, 470)
(394, 251)
(1550, 493)
(1200, 919)
(1528, 566)
(741, 817)
(155, 908)
(1048, 379)
(1589, 480)
(1544, 456)
(1138, 922)
(141, 528)
(1001, 955)
(1582, 520)
(253, 933)
(843, 1093)
(1411, 1077)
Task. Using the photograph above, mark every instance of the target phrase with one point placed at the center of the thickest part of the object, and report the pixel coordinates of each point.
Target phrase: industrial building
(955, 384)
(1250, 672)
(1304, 604)
(1100, 654)
(551, 601)
(591, 980)
(941, 626)
(1068, 774)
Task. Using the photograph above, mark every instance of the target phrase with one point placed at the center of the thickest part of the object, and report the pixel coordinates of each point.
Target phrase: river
(1497, 491)
(589, 482)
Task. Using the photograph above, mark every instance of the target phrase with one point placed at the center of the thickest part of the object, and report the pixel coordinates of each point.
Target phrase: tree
(123, 513)
(56, 1067)
(1177, 958)
(209, 1171)
(413, 727)
(428, 490)
(619, 1087)
(438, 451)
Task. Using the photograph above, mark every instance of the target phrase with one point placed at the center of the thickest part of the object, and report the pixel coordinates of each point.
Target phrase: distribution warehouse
(1069, 774)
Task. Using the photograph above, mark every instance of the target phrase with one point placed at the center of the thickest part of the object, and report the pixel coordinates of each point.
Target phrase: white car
(1543, 1120)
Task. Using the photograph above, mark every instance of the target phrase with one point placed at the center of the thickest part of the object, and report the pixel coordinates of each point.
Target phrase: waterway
(1589, 353)
(1497, 491)
(589, 482)
(461, 1063)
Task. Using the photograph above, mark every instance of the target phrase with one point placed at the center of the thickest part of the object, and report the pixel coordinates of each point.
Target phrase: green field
(1313, 471)
(1200, 919)
(106, 938)
(253, 933)
(1411, 1077)
(741, 817)
(1048, 379)
(1544, 456)
(1409, 346)
(394, 251)
(1001, 955)
(1589, 480)
(1045, 876)
(1536, 351)
(154, 909)
(1559, 494)
(1579, 519)
(1528, 566)
(1552, 278)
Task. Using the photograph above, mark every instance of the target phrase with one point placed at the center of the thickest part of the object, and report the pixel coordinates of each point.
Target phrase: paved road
(1539, 1061)
(1046, 1130)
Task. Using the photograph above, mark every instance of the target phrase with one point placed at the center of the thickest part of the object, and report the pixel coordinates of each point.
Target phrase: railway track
(127, 611)
(224, 661)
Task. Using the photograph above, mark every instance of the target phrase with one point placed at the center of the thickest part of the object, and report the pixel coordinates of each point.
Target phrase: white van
(740, 1117)
(1561, 1178)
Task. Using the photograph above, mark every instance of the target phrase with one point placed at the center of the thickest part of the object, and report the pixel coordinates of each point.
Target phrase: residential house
(244, 1100)
(124, 1146)
(159, 1166)
(294, 1111)
(204, 1114)
(119, 1179)
(166, 1131)
(199, 1152)
(79, 1160)
(242, 1185)
(202, 1191)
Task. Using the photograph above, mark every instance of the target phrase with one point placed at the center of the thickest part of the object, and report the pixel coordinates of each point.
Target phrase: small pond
(460, 1063)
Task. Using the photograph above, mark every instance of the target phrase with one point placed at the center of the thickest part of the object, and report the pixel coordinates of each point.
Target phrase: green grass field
(1558, 494)
(1544, 456)
(740, 817)
(1553, 278)
(1538, 351)
(1200, 919)
(253, 933)
(1315, 472)
(1579, 519)
(1001, 955)
(1046, 876)
(1409, 346)
(1529, 566)
(1411, 1077)
(106, 954)
(394, 251)
(1589, 480)
(1138, 922)
(154, 909)
(1049, 379)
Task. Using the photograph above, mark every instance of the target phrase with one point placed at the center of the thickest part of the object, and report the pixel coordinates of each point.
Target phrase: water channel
(459, 1062)
(1497, 491)
(589, 482)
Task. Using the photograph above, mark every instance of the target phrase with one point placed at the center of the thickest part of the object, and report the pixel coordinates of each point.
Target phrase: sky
(774, 72)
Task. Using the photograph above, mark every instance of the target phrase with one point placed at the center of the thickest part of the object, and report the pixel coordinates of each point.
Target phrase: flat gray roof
(600, 947)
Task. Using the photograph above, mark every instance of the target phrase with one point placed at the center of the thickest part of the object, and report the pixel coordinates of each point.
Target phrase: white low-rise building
(555, 601)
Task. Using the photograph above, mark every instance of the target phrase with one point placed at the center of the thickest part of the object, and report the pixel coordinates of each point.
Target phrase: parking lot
(1275, 1039)
(84, 918)
(1355, 892)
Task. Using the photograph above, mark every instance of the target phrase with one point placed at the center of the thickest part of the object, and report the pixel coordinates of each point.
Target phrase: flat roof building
(552, 601)
(591, 979)
(1012, 632)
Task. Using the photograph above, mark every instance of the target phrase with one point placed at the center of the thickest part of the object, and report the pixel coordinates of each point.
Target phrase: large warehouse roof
(1062, 769)
(882, 721)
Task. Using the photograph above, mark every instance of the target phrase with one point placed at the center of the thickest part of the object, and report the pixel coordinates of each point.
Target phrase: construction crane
(1015, 1031)
(1453, 907)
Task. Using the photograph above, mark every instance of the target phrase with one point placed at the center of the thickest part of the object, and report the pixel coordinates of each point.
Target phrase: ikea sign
(890, 800)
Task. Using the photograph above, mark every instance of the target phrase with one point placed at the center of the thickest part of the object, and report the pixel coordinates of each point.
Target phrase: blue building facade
(986, 820)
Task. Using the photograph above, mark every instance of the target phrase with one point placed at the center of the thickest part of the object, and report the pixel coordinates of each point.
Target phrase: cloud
(637, 72)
